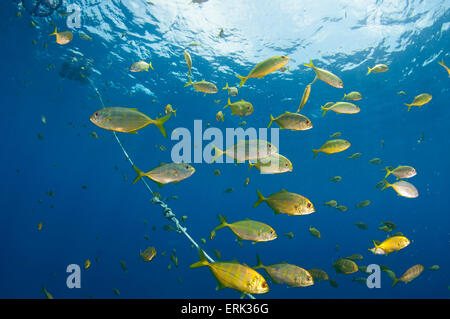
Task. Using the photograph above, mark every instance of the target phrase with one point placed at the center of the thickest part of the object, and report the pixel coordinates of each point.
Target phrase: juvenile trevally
(273, 164)
(409, 275)
(219, 116)
(355, 257)
(332, 146)
(403, 188)
(364, 203)
(341, 208)
(420, 100)
(390, 245)
(375, 161)
(148, 254)
(445, 67)
(379, 68)
(62, 37)
(354, 156)
(305, 97)
(326, 76)
(292, 121)
(336, 179)
(203, 86)
(247, 230)
(233, 91)
(141, 66)
(168, 109)
(262, 69)
(401, 171)
(352, 96)
(342, 108)
(240, 108)
(314, 232)
(331, 203)
(285, 273)
(166, 173)
(345, 266)
(234, 275)
(188, 59)
(318, 275)
(245, 150)
(361, 225)
(284, 202)
(127, 120)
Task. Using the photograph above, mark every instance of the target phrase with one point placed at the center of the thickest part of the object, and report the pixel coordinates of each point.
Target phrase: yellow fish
(403, 188)
(62, 37)
(345, 266)
(379, 68)
(127, 120)
(141, 66)
(247, 230)
(188, 59)
(40, 226)
(234, 275)
(325, 76)
(169, 109)
(47, 294)
(166, 173)
(87, 264)
(241, 108)
(420, 100)
(341, 107)
(284, 273)
(245, 150)
(332, 146)
(352, 96)
(401, 171)
(148, 254)
(409, 275)
(219, 116)
(442, 63)
(284, 202)
(203, 86)
(262, 69)
(305, 97)
(292, 121)
(390, 245)
(233, 91)
(273, 164)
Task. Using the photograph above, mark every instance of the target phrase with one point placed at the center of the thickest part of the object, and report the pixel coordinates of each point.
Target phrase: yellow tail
(310, 65)
(250, 165)
(315, 153)
(243, 79)
(223, 223)
(260, 199)
(217, 153)
(396, 280)
(442, 63)
(159, 123)
(271, 120)
(149, 66)
(325, 110)
(409, 106)
(140, 174)
(386, 185)
(370, 70)
(202, 262)
(388, 172)
(226, 87)
(259, 263)
(345, 95)
(189, 82)
(54, 33)
(229, 103)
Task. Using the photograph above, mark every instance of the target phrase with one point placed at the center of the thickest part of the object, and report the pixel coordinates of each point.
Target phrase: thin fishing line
(167, 212)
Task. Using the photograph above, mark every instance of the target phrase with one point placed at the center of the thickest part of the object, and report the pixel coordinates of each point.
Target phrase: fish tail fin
(149, 66)
(388, 172)
(325, 110)
(203, 261)
(315, 153)
(54, 32)
(243, 79)
(226, 86)
(345, 95)
(260, 198)
(386, 185)
(250, 165)
(259, 264)
(160, 121)
(396, 280)
(409, 106)
(140, 174)
(229, 103)
(441, 62)
(271, 120)
(189, 82)
(368, 72)
(310, 64)
(217, 153)
(223, 223)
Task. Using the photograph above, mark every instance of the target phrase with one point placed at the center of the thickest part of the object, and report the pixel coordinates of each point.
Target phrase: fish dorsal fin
(134, 109)
(284, 191)
(234, 261)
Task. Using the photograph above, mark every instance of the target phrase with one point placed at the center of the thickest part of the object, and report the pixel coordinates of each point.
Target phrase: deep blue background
(107, 219)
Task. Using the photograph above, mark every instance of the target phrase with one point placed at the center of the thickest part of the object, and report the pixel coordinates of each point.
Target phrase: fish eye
(286, 165)
(187, 166)
(96, 114)
(308, 205)
(264, 284)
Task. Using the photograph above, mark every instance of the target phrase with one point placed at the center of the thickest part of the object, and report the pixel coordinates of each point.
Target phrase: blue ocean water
(105, 219)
